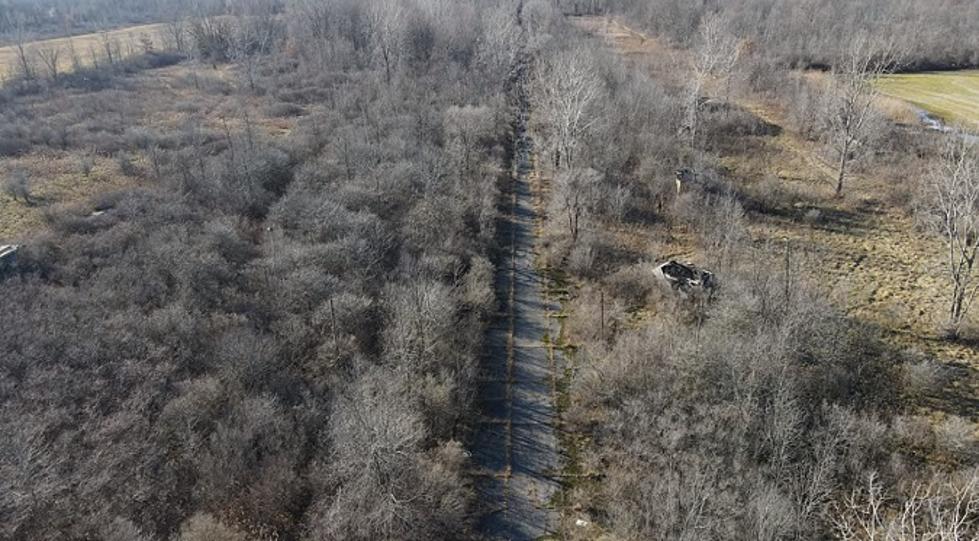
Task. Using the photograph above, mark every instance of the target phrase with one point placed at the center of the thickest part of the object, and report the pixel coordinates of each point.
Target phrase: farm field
(952, 97)
(124, 41)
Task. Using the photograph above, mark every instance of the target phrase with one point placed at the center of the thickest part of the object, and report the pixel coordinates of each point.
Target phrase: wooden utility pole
(602, 304)
(336, 339)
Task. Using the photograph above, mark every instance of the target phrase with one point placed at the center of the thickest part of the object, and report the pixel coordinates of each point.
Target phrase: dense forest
(272, 328)
(269, 337)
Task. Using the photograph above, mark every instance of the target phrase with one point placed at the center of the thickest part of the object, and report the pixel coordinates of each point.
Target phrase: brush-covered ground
(75, 144)
(864, 249)
(824, 299)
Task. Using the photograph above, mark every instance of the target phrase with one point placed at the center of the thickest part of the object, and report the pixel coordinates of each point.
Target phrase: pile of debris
(684, 277)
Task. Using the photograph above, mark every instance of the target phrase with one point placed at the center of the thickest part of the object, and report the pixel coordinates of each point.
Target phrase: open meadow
(952, 96)
(83, 49)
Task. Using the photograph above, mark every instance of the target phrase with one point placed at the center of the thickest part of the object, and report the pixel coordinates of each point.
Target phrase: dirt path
(516, 447)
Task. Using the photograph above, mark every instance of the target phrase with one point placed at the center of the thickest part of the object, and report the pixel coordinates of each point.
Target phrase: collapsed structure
(684, 277)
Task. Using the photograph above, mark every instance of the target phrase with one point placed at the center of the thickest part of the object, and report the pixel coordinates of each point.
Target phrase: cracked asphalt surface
(516, 448)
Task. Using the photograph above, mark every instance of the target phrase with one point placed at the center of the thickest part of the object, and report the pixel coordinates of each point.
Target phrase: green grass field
(952, 96)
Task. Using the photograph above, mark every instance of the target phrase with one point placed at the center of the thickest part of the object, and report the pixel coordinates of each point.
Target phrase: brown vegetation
(268, 327)
(257, 262)
(675, 456)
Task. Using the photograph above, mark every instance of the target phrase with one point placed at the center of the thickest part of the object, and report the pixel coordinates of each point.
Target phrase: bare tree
(466, 128)
(501, 41)
(109, 47)
(850, 97)
(24, 63)
(50, 57)
(421, 317)
(565, 94)
(29, 473)
(936, 510)
(951, 209)
(574, 195)
(212, 38)
(76, 59)
(175, 34)
(257, 31)
(716, 55)
(387, 28)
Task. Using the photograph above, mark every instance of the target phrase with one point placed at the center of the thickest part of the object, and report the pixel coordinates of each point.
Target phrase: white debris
(8, 256)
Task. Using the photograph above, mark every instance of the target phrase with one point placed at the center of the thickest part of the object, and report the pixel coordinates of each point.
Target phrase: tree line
(814, 33)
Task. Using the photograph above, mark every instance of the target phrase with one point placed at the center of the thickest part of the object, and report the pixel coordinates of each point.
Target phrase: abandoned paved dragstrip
(516, 446)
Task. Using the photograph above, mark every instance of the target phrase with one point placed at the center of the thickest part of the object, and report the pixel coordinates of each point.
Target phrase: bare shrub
(581, 258)
(17, 185)
(477, 288)
(957, 437)
(942, 508)
(922, 378)
(85, 165)
(915, 432)
(120, 529)
(127, 166)
(596, 316)
(633, 284)
(813, 217)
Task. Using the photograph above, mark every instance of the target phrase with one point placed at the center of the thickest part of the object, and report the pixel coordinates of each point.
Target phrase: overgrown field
(97, 139)
(952, 96)
(817, 372)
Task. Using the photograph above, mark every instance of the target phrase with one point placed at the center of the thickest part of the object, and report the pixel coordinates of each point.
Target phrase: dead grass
(87, 47)
(660, 60)
(862, 250)
(57, 177)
